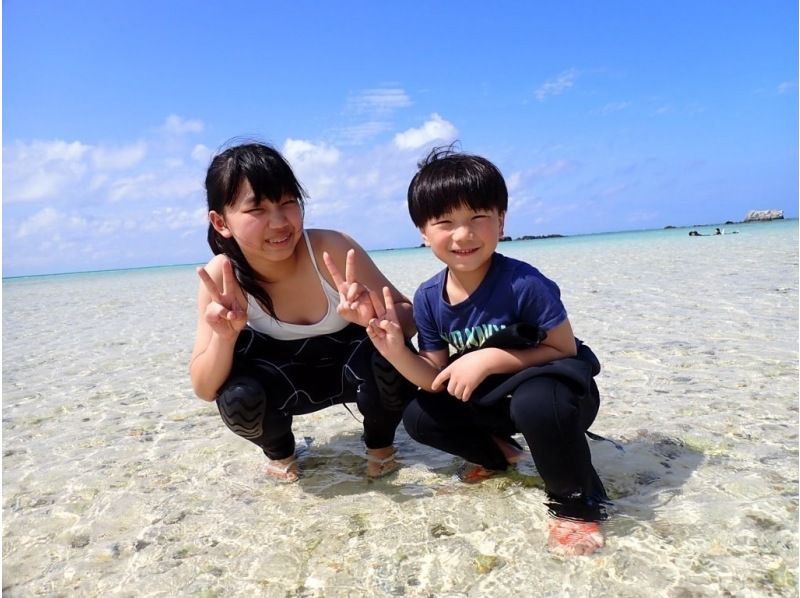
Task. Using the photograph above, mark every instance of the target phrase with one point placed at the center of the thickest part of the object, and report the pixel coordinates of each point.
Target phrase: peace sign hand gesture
(385, 332)
(223, 313)
(357, 303)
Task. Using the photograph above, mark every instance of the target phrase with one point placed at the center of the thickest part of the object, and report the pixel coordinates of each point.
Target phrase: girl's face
(262, 228)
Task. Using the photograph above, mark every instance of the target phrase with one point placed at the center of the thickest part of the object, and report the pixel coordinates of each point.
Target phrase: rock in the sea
(763, 215)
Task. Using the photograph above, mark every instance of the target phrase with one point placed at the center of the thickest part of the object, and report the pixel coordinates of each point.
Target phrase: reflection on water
(116, 481)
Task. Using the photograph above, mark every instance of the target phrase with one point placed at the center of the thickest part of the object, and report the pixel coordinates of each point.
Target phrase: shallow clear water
(116, 481)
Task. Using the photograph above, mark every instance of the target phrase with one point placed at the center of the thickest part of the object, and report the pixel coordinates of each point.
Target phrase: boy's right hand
(223, 313)
(387, 334)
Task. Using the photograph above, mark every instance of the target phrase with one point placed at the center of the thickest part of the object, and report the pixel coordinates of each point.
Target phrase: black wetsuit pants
(550, 414)
(271, 381)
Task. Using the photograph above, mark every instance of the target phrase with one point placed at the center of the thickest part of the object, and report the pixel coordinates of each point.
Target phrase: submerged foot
(283, 470)
(569, 537)
(472, 473)
(381, 462)
(511, 452)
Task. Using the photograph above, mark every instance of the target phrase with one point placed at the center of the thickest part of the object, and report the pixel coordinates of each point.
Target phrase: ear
(218, 222)
(502, 218)
(424, 237)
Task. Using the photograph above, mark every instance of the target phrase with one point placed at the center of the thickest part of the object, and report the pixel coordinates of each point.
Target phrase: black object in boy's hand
(516, 336)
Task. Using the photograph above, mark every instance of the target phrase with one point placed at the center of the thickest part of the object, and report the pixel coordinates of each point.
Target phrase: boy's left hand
(462, 376)
(357, 303)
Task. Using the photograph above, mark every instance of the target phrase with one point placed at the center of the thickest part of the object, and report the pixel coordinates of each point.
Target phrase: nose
(462, 232)
(277, 219)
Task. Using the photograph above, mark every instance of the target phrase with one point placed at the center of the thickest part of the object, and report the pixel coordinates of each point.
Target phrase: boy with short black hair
(516, 365)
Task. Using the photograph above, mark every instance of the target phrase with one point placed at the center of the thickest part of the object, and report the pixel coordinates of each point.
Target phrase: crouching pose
(278, 336)
(515, 366)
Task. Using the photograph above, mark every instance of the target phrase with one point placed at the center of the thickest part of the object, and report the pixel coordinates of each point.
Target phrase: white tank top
(331, 322)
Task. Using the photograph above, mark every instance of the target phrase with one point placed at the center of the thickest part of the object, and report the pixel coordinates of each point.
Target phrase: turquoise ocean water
(117, 481)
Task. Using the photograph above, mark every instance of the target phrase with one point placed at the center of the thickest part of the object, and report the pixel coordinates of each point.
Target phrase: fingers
(210, 285)
(227, 277)
(236, 313)
(335, 274)
(459, 390)
(388, 300)
(377, 304)
(440, 379)
(354, 292)
(350, 267)
(374, 329)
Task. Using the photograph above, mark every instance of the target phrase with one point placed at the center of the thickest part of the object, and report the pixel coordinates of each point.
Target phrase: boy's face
(464, 239)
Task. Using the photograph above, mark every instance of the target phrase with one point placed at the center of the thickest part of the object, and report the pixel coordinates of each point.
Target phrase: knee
(242, 404)
(393, 390)
(412, 421)
(544, 407)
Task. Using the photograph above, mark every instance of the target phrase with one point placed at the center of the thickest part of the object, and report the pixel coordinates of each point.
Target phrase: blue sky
(603, 116)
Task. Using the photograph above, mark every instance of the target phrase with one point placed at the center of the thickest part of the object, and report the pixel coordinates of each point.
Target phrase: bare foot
(381, 462)
(283, 470)
(472, 473)
(569, 537)
(512, 453)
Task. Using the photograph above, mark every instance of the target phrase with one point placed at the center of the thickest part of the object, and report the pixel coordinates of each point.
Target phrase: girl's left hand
(357, 303)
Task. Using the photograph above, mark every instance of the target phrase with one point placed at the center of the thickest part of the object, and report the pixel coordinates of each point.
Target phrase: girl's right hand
(223, 313)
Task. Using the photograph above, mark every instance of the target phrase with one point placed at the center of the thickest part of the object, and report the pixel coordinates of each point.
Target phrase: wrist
(225, 338)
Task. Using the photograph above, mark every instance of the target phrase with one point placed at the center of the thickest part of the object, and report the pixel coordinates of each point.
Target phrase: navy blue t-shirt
(512, 292)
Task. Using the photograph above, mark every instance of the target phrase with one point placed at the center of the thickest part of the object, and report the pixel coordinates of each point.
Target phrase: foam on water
(116, 481)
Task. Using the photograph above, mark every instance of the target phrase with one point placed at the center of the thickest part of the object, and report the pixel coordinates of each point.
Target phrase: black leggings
(551, 415)
(272, 381)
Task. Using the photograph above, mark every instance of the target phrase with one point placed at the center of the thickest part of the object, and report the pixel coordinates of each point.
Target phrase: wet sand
(118, 482)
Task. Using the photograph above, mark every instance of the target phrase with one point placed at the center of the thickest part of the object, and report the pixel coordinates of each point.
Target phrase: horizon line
(542, 237)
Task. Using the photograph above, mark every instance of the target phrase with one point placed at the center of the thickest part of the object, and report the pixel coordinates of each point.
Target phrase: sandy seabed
(118, 482)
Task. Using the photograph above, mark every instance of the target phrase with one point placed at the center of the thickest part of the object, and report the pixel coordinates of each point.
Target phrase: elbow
(203, 393)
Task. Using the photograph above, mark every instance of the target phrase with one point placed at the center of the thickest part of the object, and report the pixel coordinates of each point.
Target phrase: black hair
(447, 179)
(271, 178)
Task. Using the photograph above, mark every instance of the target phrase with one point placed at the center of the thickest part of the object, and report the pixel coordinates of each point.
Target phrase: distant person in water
(278, 336)
(717, 232)
(516, 365)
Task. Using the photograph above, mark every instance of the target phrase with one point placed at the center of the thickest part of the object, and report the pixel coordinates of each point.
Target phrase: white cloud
(202, 154)
(176, 218)
(435, 129)
(301, 153)
(612, 107)
(786, 87)
(362, 132)
(40, 221)
(548, 169)
(119, 158)
(152, 185)
(49, 220)
(556, 86)
(642, 217)
(177, 125)
(130, 187)
(98, 181)
(514, 180)
(379, 100)
(40, 169)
